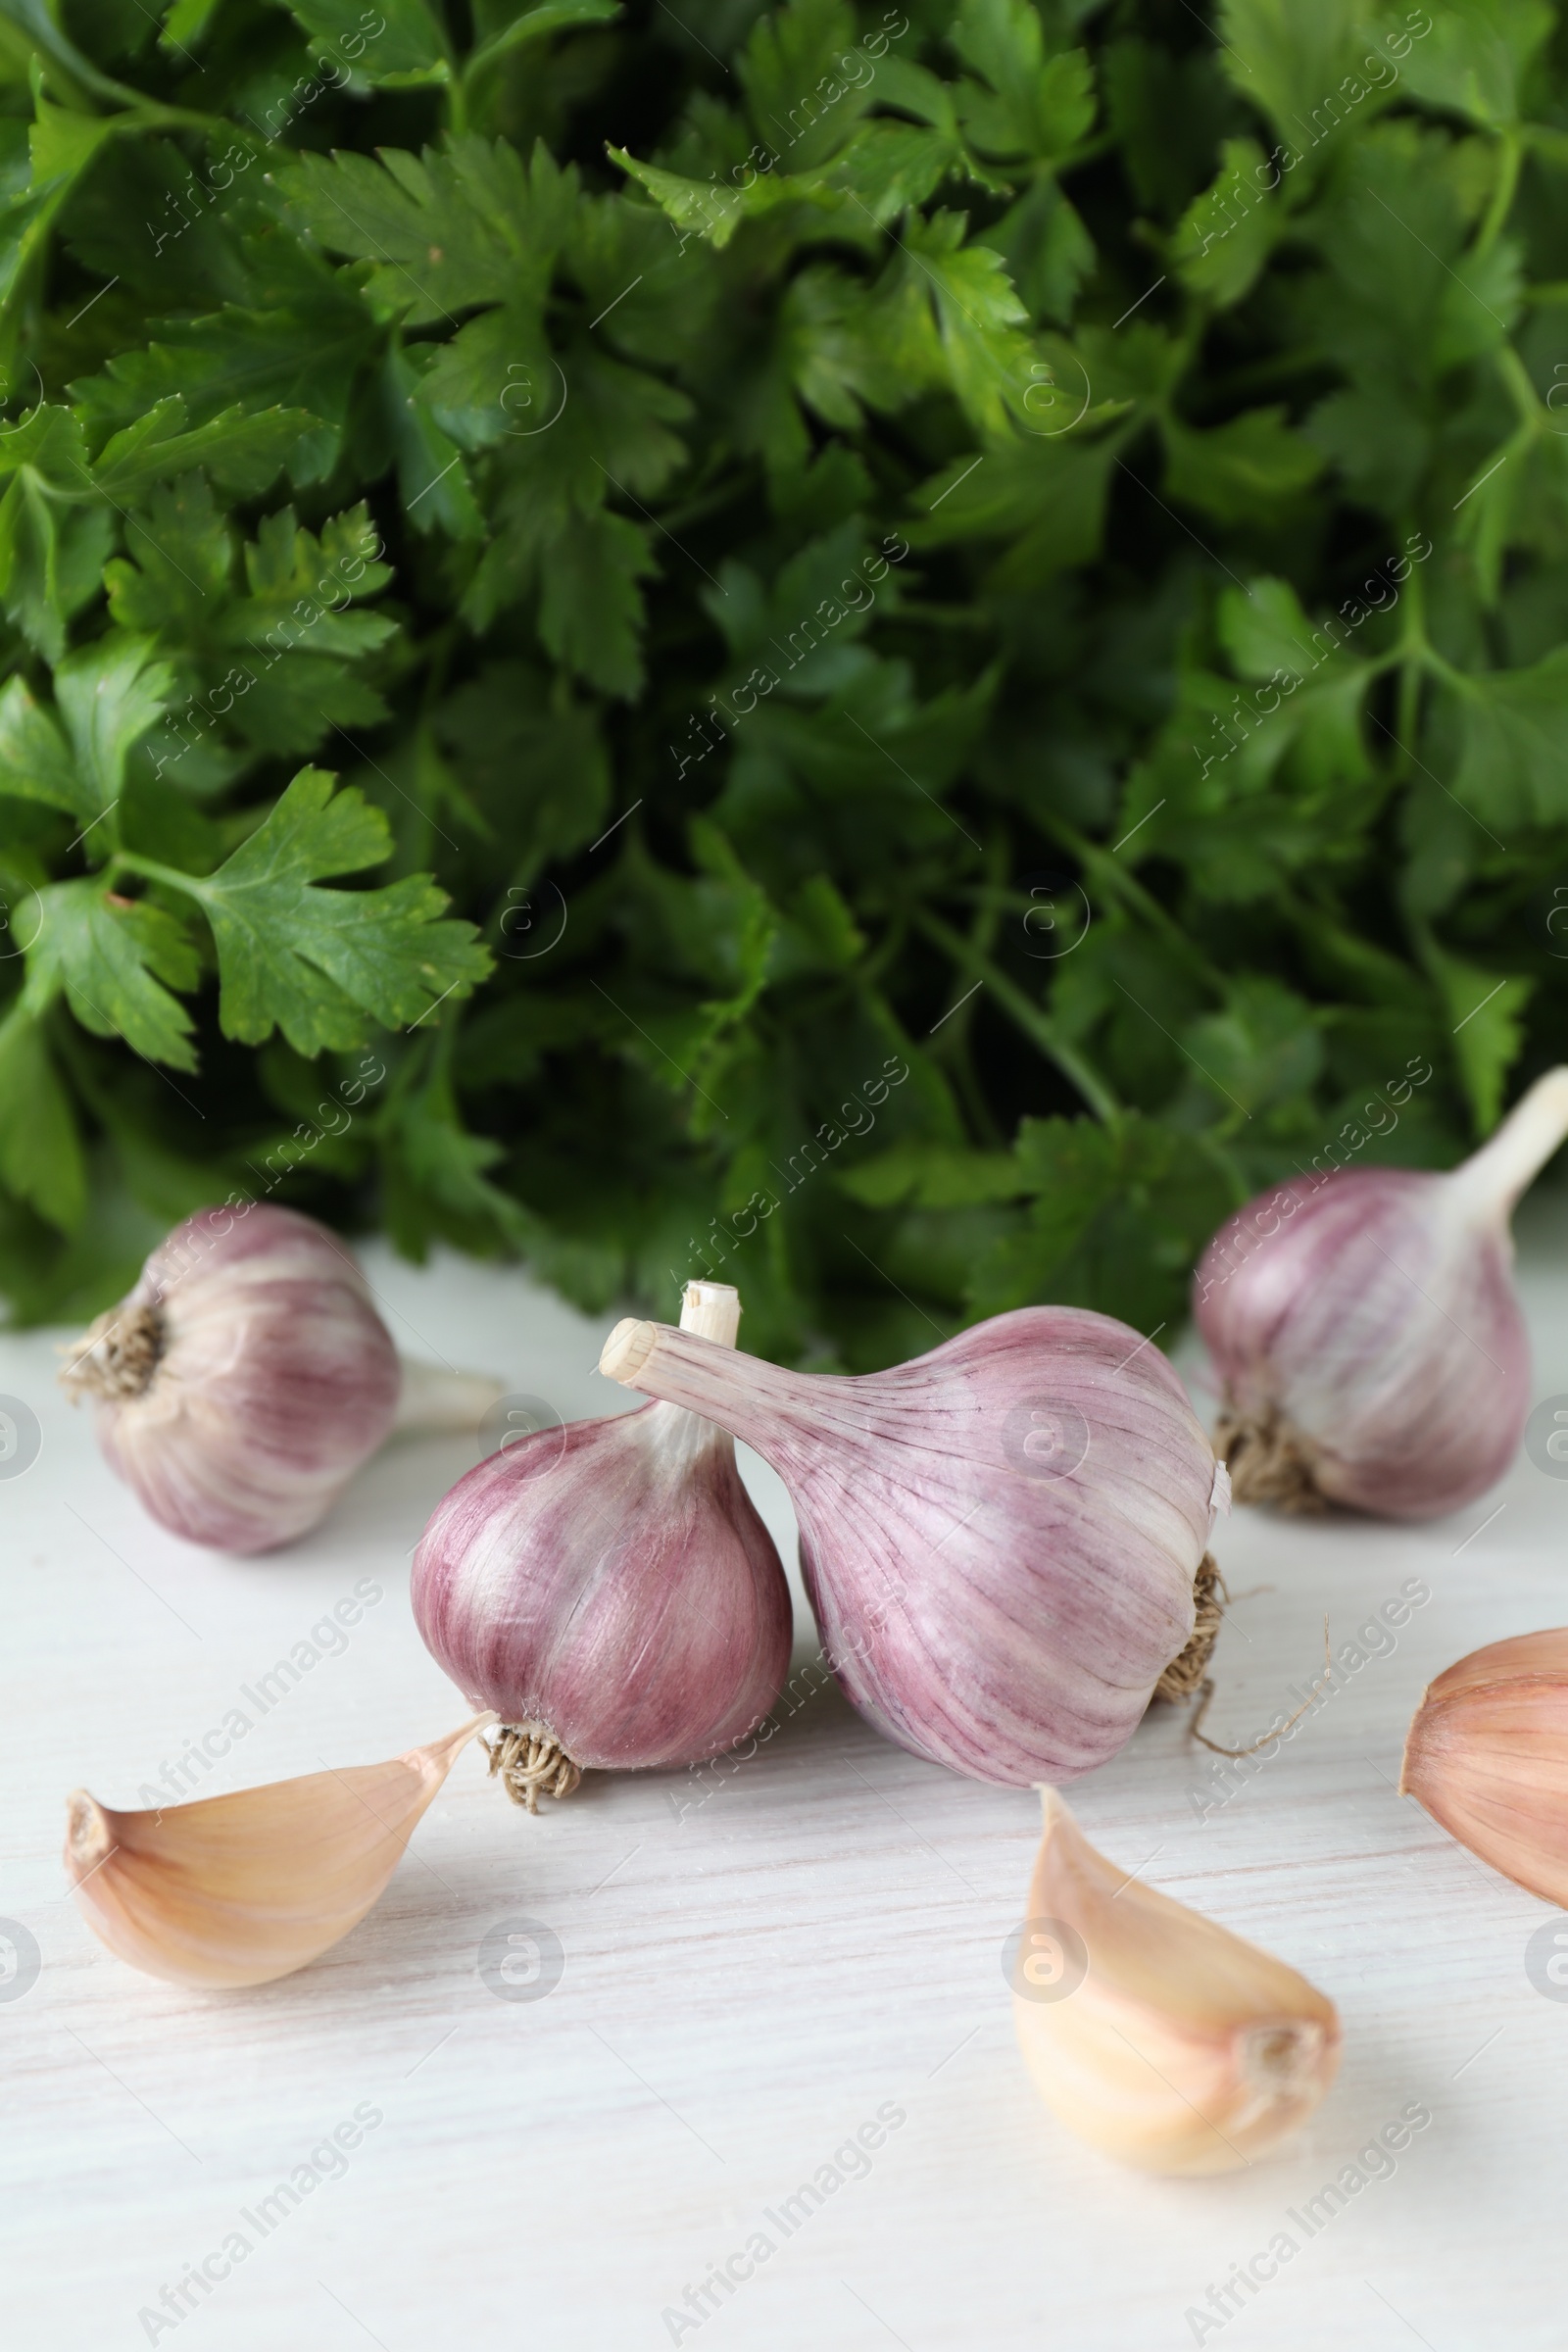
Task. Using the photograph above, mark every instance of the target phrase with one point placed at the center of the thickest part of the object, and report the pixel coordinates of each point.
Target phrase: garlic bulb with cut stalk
(610, 1590)
(1366, 1330)
(1487, 1754)
(239, 1889)
(247, 1375)
(1000, 1540)
(1153, 2032)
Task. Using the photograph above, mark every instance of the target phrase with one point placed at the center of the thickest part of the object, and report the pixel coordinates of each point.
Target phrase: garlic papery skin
(1000, 1538)
(1156, 2033)
(1487, 1754)
(240, 1889)
(610, 1590)
(1365, 1331)
(247, 1375)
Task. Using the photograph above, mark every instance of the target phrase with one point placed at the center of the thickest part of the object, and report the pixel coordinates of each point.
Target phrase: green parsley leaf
(40, 1151)
(115, 960)
(316, 962)
(1485, 1014)
(53, 540)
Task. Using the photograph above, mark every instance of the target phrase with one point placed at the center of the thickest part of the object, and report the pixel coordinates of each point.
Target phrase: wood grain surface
(779, 1977)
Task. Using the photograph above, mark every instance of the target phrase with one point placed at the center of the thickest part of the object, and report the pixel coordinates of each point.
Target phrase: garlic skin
(1366, 1330)
(610, 1590)
(1183, 2048)
(248, 1376)
(240, 1889)
(1487, 1754)
(1000, 1538)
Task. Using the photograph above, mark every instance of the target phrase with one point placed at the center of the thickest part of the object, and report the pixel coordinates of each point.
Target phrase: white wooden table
(747, 1979)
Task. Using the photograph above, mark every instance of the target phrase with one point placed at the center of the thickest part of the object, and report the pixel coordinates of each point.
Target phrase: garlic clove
(1364, 1328)
(1487, 1754)
(240, 1889)
(1156, 2033)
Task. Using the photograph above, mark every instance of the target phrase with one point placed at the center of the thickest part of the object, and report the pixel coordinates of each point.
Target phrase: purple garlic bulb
(1366, 1330)
(610, 1590)
(247, 1375)
(1000, 1539)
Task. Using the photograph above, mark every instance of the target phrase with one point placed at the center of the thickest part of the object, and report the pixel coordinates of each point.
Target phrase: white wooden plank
(748, 1979)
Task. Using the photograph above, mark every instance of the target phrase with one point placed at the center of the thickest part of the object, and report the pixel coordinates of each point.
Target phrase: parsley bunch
(891, 654)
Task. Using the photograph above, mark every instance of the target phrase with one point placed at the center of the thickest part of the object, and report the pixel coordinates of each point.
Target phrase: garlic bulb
(1487, 1754)
(247, 1377)
(239, 1889)
(1151, 2031)
(1365, 1329)
(1000, 1540)
(610, 1590)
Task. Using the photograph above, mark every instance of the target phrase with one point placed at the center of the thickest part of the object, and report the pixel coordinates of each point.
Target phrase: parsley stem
(522, 30)
(1510, 154)
(1410, 653)
(1037, 1025)
(1101, 863)
(951, 1047)
(177, 118)
(1516, 375)
(129, 861)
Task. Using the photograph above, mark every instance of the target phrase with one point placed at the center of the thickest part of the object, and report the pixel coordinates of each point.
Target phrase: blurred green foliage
(946, 625)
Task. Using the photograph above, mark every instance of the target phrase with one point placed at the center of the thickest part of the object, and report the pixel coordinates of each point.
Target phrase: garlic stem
(627, 1348)
(682, 1367)
(712, 1309)
(1489, 1183)
(434, 1397)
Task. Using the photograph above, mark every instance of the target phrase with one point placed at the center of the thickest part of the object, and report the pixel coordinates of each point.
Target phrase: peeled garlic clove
(610, 1590)
(1487, 1754)
(239, 1889)
(1367, 1333)
(1000, 1539)
(247, 1377)
(1151, 2031)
